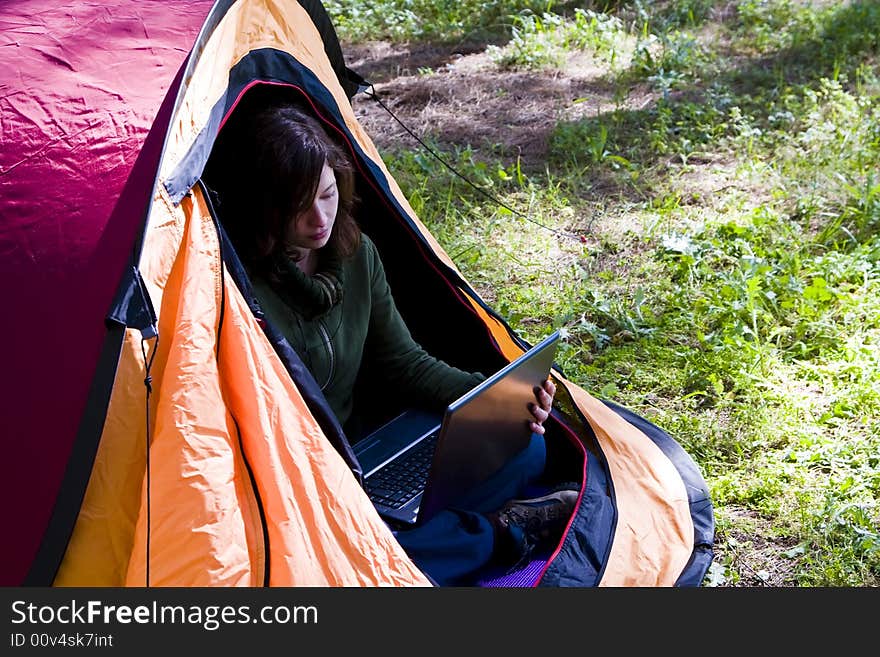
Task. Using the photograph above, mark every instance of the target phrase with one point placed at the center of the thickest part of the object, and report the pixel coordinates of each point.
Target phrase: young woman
(321, 282)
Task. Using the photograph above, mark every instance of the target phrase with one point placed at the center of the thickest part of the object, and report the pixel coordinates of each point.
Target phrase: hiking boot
(525, 526)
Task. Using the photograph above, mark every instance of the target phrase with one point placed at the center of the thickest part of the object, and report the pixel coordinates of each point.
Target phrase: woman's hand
(541, 410)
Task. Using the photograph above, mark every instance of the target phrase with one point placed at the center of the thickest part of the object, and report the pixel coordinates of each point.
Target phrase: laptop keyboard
(403, 478)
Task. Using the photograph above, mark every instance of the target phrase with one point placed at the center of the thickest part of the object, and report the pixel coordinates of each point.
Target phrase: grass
(728, 287)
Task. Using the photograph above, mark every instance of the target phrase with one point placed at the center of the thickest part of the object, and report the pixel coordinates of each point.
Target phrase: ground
(459, 97)
(456, 96)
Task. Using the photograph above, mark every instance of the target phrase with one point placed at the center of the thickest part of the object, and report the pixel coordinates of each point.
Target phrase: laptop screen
(477, 435)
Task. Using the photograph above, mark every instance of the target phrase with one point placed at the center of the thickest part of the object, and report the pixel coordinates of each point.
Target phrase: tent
(156, 432)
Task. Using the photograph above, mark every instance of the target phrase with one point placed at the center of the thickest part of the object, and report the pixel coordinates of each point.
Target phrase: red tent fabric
(81, 85)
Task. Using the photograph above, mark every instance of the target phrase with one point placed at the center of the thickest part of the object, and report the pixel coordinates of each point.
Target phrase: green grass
(436, 20)
(744, 320)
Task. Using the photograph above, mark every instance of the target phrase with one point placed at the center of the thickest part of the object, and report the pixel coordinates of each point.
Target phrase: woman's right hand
(541, 409)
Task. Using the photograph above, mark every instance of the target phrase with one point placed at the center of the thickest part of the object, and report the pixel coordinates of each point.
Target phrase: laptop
(421, 462)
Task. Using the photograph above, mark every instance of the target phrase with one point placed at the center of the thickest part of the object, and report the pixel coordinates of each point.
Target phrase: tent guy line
(371, 92)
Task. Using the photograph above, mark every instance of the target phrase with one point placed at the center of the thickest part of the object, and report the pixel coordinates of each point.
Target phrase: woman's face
(311, 229)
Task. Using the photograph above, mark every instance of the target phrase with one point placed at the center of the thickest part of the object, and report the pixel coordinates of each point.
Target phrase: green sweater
(364, 326)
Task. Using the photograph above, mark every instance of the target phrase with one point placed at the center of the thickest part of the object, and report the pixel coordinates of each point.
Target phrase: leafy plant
(546, 40)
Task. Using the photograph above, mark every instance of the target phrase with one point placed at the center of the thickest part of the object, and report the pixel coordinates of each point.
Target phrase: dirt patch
(756, 560)
(457, 98)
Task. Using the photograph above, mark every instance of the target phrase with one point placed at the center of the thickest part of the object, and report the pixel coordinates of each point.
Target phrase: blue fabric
(459, 541)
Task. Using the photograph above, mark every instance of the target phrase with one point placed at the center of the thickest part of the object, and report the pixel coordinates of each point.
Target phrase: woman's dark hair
(273, 170)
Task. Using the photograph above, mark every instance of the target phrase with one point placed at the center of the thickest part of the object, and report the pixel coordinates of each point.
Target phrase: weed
(546, 40)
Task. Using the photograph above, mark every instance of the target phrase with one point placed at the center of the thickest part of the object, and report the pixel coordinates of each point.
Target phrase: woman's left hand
(541, 410)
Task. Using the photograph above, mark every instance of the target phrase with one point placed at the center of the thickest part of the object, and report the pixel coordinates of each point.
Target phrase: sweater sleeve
(401, 362)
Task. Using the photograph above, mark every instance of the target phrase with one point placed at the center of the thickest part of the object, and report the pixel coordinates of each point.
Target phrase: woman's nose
(315, 216)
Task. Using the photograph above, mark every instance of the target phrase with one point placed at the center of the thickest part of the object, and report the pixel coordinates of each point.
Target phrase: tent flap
(133, 307)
